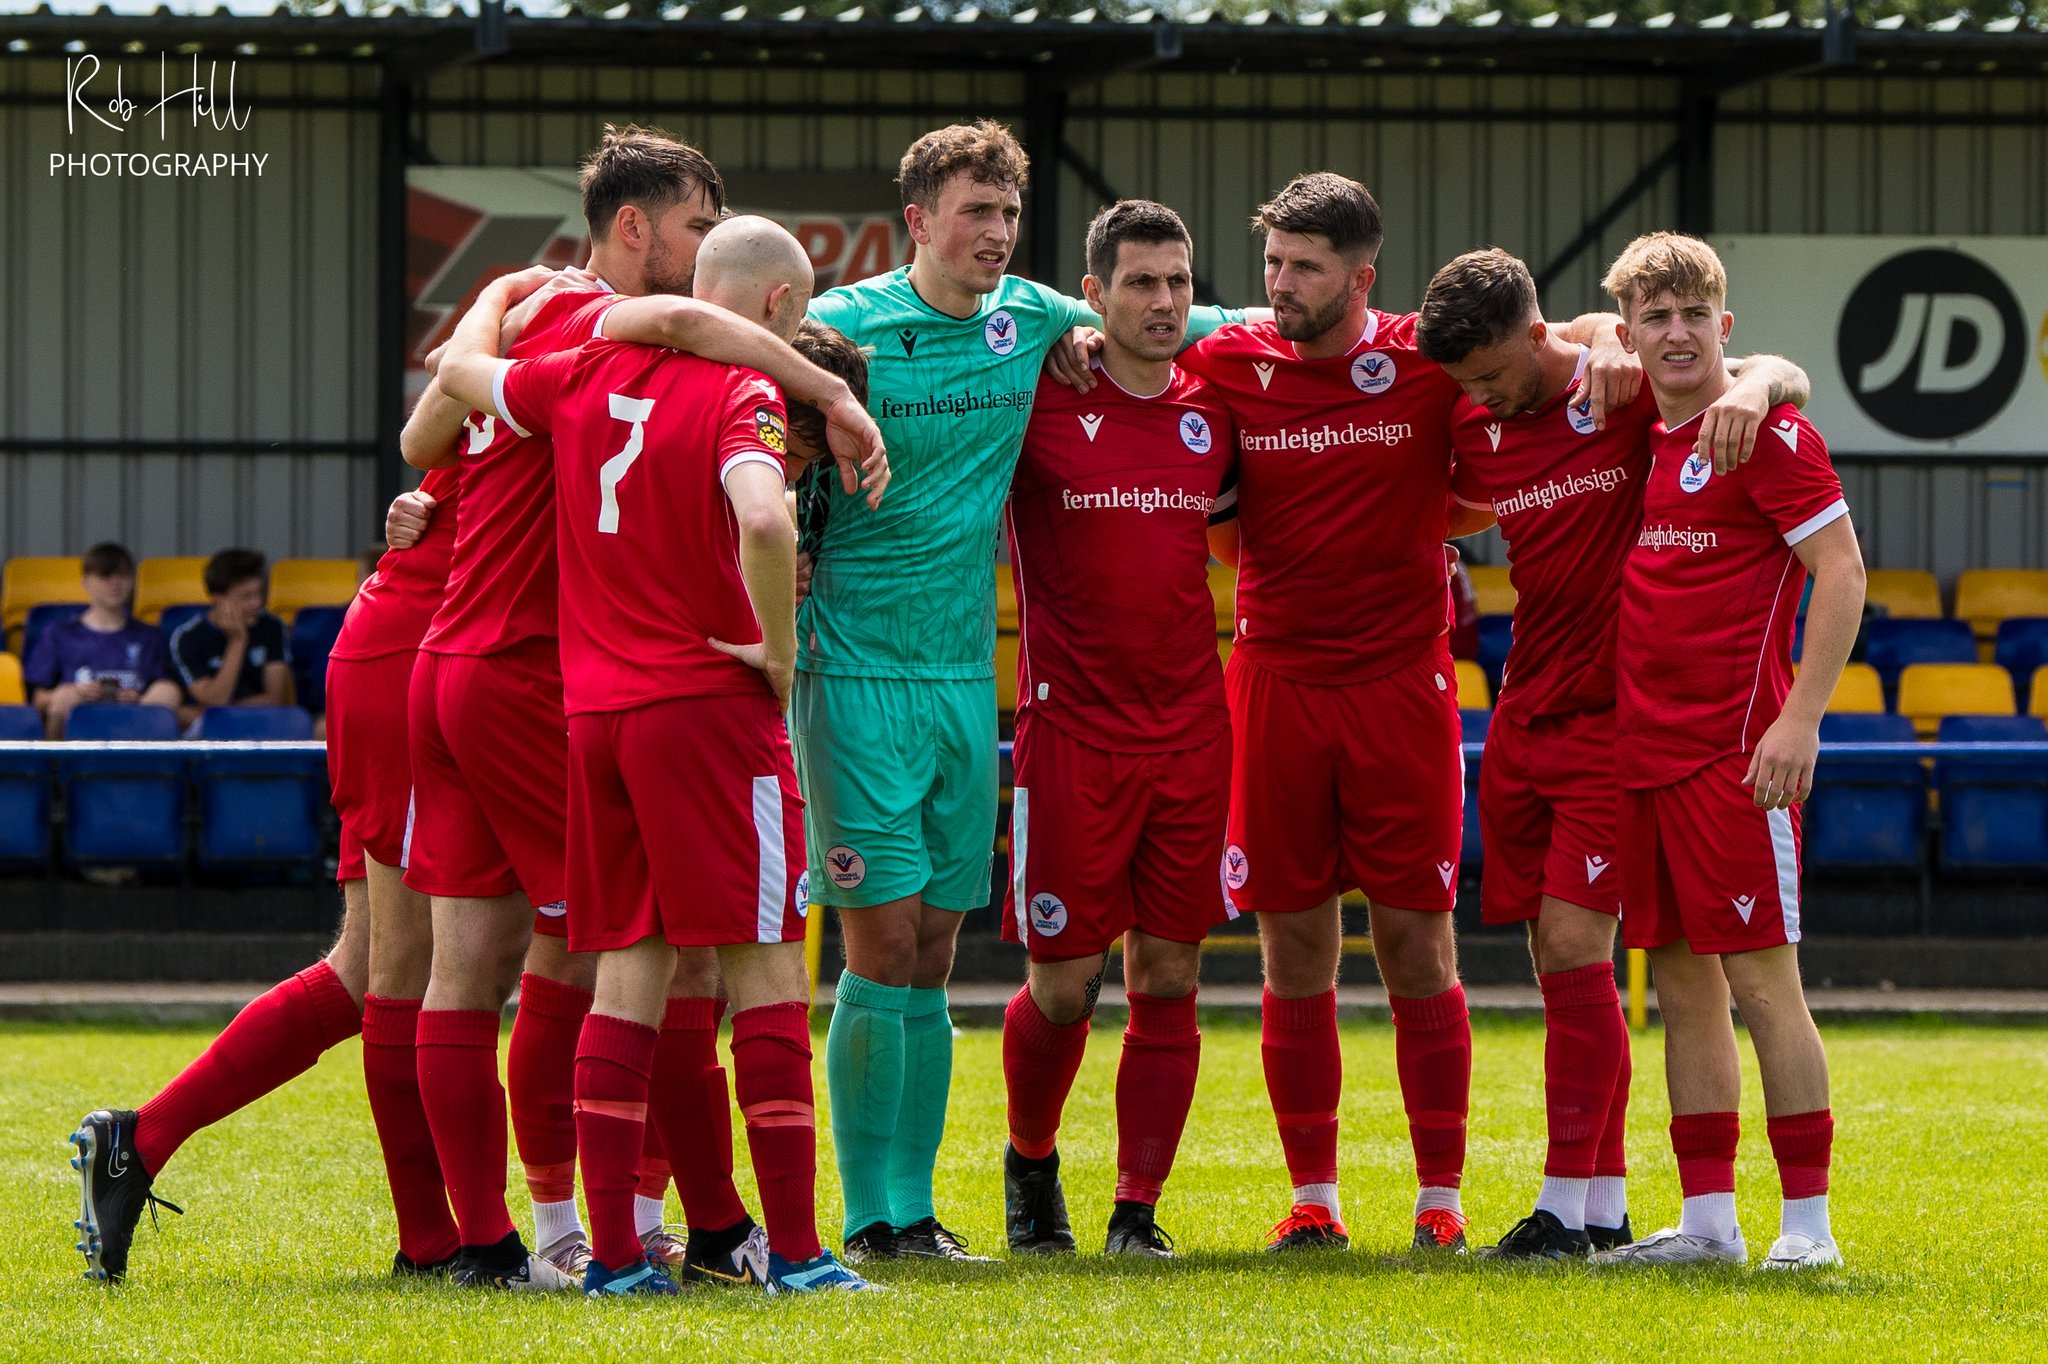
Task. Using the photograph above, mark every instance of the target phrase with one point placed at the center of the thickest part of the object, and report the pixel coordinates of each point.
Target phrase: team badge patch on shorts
(1236, 868)
(801, 901)
(553, 911)
(769, 429)
(1048, 915)
(846, 867)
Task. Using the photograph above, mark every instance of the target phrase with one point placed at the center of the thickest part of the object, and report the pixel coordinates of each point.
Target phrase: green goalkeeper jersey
(909, 590)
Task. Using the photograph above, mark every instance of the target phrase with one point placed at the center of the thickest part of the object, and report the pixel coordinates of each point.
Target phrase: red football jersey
(1570, 501)
(1109, 544)
(395, 604)
(643, 439)
(503, 582)
(1710, 593)
(1344, 470)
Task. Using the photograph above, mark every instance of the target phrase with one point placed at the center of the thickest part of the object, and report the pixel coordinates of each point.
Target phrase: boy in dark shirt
(103, 654)
(236, 654)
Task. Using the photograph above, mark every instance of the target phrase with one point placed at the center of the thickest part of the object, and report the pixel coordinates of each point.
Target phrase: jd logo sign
(1932, 344)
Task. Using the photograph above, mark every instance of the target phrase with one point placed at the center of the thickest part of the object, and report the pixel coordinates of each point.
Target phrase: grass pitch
(1940, 1165)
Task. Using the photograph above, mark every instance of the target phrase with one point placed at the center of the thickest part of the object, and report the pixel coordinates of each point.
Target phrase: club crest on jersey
(1091, 424)
(1000, 331)
(1236, 869)
(1373, 372)
(1265, 373)
(1048, 915)
(1694, 473)
(769, 430)
(1788, 431)
(909, 340)
(846, 867)
(1493, 434)
(1194, 432)
(1579, 412)
(801, 901)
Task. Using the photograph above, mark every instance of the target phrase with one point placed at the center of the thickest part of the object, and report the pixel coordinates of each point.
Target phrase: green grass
(1939, 1172)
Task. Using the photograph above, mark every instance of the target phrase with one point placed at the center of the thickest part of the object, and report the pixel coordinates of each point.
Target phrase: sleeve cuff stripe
(498, 399)
(749, 457)
(1834, 511)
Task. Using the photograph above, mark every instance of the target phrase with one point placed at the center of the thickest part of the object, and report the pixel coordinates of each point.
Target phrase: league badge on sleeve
(769, 429)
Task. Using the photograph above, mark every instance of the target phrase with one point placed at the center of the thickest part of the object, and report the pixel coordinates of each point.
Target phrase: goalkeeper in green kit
(894, 712)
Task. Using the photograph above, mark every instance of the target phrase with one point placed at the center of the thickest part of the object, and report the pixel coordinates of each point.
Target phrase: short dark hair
(1478, 300)
(1131, 220)
(231, 568)
(1324, 202)
(107, 559)
(645, 167)
(834, 352)
(984, 150)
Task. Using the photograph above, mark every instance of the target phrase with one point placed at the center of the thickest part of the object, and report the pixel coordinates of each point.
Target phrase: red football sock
(1155, 1085)
(1040, 1059)
(1803, 1144)
(1433, 1054)
(458, 1073)
(1304, 1079)
(277, 1037)
(1705, 1146)
(1613, 1154)
(1584, 1036)
(655, 1171)
(426, 1229)
(694, 1112)
(614, 1057)
(541, 1075)
(771, 1054)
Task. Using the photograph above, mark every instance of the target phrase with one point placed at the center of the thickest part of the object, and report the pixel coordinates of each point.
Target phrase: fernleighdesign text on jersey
(958, 404)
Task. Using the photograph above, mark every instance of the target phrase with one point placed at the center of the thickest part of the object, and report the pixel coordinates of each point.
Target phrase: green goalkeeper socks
(864, 1070)
(921, 1123)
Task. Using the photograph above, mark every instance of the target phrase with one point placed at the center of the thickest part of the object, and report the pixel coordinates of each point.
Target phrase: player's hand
(1068, 359)
(521, 285)
(127, 695)
(780, 672)
(406, 519)
(1450, 562)
(856, 445)
(566, 281)
(1729, 426)
(1781, 770)
(804, 565)
(433, 360)
(1613, 377)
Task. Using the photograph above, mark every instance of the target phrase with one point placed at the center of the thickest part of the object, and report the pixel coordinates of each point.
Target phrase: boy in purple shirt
(103, 654)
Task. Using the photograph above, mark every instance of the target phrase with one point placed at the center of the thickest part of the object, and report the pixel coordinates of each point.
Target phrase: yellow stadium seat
(1224, 644)
(1858, 693)
(1929, 691)
(2039, 704)
(1006, 672)
(168, 582)
(311, 582)
(1006, 599)
(30, 582)
(1490, 584)
(1223, 589)
(1473, 692)
(1986, 596)
(11, 691)
(1911, 593)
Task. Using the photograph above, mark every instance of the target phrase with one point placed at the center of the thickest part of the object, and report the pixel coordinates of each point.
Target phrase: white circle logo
(1048, 915)
(1373, 372)
(1579, 412)
(802, 899)
(1000, 331)
(1194, 432)
(553, 911)
(1236, 870)
(846, 867)
(1694, 473)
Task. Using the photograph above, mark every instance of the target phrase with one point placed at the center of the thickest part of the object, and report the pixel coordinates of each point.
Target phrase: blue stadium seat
(258, 807)
(41, 618)
(123, 808)
(1866, 814)
(1496, 633)
(1474, 724)
(174, 616)
(1994, 808)
(314, 631)
(1894, 643)
(2022, 649)
(24, 792)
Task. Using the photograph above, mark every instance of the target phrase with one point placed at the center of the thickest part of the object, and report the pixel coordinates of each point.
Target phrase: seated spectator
(103, 654)
(237, 653)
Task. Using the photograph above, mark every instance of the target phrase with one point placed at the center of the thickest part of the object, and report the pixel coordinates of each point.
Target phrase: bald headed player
(678, 651)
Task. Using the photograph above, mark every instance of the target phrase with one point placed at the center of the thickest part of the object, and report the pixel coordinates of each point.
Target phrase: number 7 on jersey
(636, 411)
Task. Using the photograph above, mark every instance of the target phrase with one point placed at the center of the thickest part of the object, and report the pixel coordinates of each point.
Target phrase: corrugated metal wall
(245, 310)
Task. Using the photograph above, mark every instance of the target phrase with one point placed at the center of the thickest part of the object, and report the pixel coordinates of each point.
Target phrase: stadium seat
(167, 582)
(247, 723)
(1859, 692)
(178, 613)
(24, 792)
(1986, 596)
(1006, 598)
(1994, 807)
(313, 636)
(296, 583)
(258, 806)
(1223, 590)
(29, 581)
(1006, 672)
(2038, 705)
(1892, 645)
(12, 690)
(1866, 813)
(123, 808)
(1903, 593)
(1473, 691)
(1496, 634)
(1930, 691)
(41, 618)
(2022, 648)
(1474, 724)
(1496, 595)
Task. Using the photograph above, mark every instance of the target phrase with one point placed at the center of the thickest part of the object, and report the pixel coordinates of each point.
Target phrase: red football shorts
(1104, 842)
(1549, 802)
(350, 866)
(1360, 784)
(369, 757)
(490, 771)
(684, 822)
(1702, 863)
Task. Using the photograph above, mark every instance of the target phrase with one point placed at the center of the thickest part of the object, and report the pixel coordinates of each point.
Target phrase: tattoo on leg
(1093, 990)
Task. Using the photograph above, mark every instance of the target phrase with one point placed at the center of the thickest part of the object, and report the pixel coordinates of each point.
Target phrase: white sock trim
(552, 1222)
(1709, 1215)
(1438, 1196)
(1806, 1217)
(1607, 1201)
(1324, 1195)
(1564, 1199)
(648, 1214)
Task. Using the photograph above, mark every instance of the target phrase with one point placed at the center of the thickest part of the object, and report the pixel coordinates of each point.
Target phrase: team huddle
(687, 634)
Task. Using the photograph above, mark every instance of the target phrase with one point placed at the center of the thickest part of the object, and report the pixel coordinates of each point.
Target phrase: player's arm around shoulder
(470, 366)
(1731, 423)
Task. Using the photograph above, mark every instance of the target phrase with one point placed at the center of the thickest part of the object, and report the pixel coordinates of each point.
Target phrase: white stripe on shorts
(1020, 839)
(769, 900)
(405, 847)
(1785, 853)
